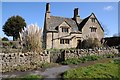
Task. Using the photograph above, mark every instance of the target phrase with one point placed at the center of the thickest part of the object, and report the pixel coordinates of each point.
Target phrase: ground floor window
(64, 41)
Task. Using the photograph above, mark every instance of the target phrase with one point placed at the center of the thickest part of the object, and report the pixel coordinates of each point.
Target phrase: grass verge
(98, 71)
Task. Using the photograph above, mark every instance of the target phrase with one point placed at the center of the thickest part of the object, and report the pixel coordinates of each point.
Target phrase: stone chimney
(76, 15)
(48, 10)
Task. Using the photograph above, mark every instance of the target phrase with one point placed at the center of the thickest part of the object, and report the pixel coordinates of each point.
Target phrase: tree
(5, 39)
(31, 38)
(13, 26)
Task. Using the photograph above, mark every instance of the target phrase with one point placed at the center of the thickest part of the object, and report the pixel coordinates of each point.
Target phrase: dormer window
(93, 20)
(65, 30)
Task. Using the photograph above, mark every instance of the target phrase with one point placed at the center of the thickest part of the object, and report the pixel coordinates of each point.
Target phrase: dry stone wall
(86, 52)
(19, 60)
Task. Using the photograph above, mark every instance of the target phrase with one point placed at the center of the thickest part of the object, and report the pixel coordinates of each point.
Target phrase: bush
(91, 43)
(5, 39)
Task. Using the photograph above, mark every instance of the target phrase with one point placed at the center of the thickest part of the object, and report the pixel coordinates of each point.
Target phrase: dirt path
(52, 72)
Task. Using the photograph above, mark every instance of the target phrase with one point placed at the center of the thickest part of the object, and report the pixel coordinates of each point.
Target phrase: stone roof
(81, 25)
(54, 21)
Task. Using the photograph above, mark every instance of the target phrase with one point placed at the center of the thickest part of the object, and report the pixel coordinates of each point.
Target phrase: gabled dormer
(64, 27)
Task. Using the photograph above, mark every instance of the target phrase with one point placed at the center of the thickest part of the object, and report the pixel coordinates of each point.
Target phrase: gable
(82, 24)
(64, 24)
(96, 20)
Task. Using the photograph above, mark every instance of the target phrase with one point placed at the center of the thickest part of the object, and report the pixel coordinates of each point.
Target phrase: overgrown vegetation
(86, 58)
(31, 38)
(98, 71)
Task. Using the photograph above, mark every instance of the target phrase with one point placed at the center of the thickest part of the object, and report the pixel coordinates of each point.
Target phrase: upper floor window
(93, 19)
(64, 29)
(93, 29)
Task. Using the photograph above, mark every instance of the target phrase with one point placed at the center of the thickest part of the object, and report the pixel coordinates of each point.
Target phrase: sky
(34, 12)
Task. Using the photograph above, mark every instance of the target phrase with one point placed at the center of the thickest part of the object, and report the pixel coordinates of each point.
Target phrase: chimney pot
(48, 7)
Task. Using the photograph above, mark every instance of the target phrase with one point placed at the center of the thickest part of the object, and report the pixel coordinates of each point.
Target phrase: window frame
(93, 20)
(64, 41)
(93, 29)
(64, 29)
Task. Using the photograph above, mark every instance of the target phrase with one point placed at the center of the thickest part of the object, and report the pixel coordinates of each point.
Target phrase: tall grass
(31, 38)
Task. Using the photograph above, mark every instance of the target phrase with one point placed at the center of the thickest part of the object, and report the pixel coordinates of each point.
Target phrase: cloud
(108, 8)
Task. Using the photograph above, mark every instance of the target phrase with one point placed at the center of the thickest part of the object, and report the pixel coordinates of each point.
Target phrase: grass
(26, 77)
(85, 59)
(98, 71)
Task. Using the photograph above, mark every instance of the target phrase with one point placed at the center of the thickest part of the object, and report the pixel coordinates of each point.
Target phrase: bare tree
(106, 31)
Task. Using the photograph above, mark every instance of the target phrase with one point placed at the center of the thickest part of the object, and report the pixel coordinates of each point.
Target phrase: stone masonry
(11, 61)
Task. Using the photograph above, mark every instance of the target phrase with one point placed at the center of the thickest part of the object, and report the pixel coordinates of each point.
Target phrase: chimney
(76, 15)
(76, 12)
(48, 10)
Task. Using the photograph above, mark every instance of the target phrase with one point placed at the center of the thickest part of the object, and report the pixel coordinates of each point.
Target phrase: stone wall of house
(86, 52)
(13, 61)
(86, 30)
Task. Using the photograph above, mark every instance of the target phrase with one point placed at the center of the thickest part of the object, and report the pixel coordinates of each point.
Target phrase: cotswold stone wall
(19, 61)
(86, 52)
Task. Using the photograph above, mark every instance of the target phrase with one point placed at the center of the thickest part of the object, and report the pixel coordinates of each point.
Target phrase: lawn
(26, 77)
(99, 70)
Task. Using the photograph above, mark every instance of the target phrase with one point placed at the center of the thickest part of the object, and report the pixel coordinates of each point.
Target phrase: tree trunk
(14, 38)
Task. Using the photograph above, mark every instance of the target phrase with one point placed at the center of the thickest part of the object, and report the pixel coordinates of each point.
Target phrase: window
(93, 29)
(61, 41)
(64, 41)
(93, 19)
(64, 29)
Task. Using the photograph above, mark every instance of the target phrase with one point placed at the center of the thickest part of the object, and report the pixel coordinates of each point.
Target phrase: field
(99, 70)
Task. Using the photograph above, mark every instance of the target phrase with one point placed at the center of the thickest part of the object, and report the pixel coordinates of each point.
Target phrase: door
(78, 44)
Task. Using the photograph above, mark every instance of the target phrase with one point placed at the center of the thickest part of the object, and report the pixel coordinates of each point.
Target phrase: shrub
(91, 43)
(5, 39)
(31, 38)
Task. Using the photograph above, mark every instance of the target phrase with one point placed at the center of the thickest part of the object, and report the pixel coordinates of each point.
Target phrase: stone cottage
(61, 32)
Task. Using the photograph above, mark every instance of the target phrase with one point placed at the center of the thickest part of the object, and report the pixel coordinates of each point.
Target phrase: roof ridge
(61, 17)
